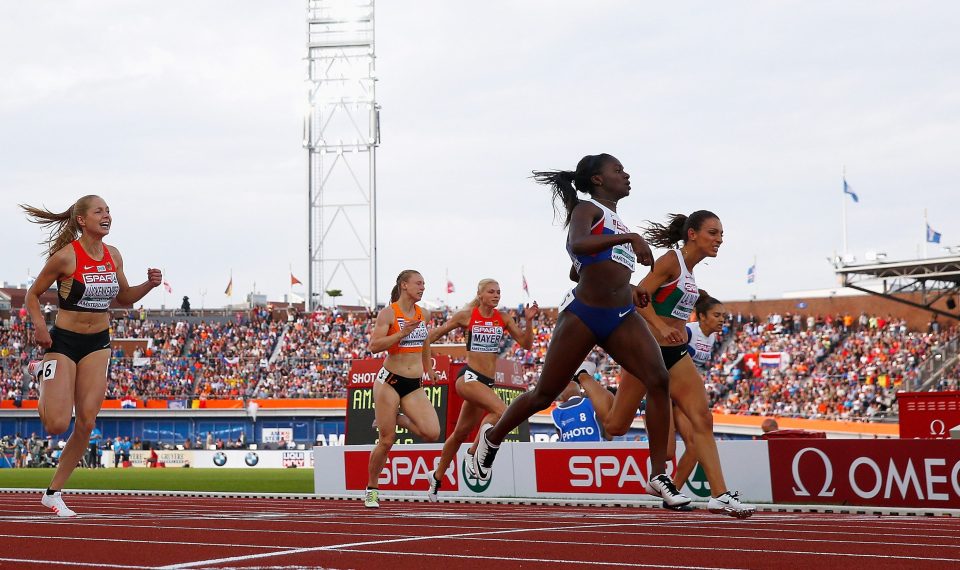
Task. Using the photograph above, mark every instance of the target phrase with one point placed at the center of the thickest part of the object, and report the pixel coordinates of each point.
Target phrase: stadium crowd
(813, 366)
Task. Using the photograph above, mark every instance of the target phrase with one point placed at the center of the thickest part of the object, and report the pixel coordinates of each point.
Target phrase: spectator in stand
(769, 425)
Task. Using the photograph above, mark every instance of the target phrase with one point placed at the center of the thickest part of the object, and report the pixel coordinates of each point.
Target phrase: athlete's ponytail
(402, 278)
(64, 227)
(566, 183)
(677, 228)
(480, 287)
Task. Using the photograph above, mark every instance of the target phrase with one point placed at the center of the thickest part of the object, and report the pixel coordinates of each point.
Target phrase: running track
(172, 532)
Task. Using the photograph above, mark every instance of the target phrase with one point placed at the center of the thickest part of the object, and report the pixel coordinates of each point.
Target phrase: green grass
(179, 479)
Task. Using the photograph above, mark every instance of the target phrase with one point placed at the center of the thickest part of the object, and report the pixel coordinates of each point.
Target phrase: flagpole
(926, 232)
(446, 287)
(163, 300)
(843, 216)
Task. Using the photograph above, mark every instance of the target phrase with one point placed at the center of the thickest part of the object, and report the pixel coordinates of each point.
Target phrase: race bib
(624, 255)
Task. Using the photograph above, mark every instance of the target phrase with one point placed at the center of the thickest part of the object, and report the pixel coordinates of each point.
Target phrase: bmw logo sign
(219, 459)
(251, 459)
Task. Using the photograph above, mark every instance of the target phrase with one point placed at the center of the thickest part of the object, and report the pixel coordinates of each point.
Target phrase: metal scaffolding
(341, 134)
(930, 280)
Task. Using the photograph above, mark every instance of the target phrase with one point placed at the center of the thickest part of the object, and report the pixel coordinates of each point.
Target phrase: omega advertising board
(878, 473)
(360, 408)
(928, 415)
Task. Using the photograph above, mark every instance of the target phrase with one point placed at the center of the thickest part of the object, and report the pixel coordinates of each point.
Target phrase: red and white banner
(880, 473)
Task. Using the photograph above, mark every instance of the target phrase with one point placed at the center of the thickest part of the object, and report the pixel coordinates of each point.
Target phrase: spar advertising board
(880, 473)
(406, 471)
(620, 470)
(610, 470)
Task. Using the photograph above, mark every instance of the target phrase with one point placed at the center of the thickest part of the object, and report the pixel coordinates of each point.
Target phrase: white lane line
(342, 546)
(134, 541)
(543, 560)
(723, 536)
(62, 563)
(76, 523)
(616, 528)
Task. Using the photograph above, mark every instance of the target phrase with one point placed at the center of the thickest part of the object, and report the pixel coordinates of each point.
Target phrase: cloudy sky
(186, 117)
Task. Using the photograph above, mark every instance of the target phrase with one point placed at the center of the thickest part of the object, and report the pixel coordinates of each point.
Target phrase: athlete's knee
(431, 434)
(702, 421)
(84, 425)
(387, 438)
(55, 426)
(657, 381)
(615, 428)
(540, 399)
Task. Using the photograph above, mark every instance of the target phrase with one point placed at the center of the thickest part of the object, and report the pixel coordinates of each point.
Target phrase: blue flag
(932, 235)
(847, 190)
(752, 273)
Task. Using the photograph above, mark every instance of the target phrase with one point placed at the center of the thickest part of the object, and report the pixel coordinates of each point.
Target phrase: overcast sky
(186, 117)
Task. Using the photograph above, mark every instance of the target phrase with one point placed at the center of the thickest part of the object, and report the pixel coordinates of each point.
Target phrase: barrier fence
(922, 474)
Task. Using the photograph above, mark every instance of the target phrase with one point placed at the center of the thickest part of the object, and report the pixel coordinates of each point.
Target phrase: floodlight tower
(341, 134)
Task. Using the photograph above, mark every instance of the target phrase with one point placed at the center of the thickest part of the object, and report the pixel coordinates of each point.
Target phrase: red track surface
(191, 532)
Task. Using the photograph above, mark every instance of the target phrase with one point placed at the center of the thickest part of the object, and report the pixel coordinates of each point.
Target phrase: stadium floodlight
(341, 134)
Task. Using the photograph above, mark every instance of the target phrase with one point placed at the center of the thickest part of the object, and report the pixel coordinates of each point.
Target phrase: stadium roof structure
(929, 279)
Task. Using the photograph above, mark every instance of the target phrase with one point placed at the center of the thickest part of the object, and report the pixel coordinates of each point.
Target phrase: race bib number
(624, 255)
(383, 375)
(567, 299)
(48, 370)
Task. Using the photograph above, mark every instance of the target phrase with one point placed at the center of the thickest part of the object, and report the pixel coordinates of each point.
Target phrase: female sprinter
(73, 374)
(401, 331)
(701, 336)
(673, 301)
(599, 311)
(485, 326)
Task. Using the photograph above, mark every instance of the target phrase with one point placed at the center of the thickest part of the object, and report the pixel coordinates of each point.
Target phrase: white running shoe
(34, 367)
(587, 368)
(55, 503)
(468, 471)
(434, 488)
(729, 504)
(371, 499)
(661, 486)
(486, 453)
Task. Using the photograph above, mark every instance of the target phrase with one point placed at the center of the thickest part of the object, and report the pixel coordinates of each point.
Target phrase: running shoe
(434, 488)
(682, 508)
(468, 471)
(371, 499)
(729, 504)
(34, 367)
(587, 367)
(484, 456)
(661, 486)
(56, 504)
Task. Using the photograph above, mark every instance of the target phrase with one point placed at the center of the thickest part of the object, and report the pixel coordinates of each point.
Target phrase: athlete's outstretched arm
(129, 295)
(524, 338)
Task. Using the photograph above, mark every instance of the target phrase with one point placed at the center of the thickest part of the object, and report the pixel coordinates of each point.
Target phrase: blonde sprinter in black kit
(73, 374)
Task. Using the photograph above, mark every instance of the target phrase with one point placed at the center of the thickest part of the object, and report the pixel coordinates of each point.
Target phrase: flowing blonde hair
(480, 286)
(64, 227)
